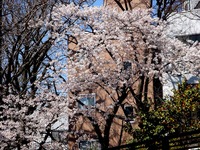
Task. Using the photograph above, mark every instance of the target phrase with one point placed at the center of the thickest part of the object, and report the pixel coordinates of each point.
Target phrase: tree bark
(1, 49)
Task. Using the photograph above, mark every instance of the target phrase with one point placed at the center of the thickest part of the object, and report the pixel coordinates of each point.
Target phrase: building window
(128, 111)
(189, 39)
(89, 145)
(127, 65)
(58, 135)
(86, 100)
(195, 37)
(126, 69)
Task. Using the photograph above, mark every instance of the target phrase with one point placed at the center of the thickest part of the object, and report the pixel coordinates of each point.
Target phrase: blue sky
(98, 3)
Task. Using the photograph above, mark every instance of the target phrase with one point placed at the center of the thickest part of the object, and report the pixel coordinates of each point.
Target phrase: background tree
(160, 8)
(106, 39)
(26, 61)
(25, 51)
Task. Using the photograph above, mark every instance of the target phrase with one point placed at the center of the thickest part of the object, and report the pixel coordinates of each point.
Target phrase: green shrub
(179, 113)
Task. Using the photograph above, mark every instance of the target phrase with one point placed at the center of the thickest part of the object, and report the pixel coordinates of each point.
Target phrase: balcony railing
(182, 141)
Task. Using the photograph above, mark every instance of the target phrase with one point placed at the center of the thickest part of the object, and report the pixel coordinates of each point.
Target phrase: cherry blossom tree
(29, 123)
(117, 54)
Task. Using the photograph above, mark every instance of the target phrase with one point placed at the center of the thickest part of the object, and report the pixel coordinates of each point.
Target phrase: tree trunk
(1, 49)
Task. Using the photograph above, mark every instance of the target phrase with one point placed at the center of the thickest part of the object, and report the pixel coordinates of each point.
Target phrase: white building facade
(186, 27)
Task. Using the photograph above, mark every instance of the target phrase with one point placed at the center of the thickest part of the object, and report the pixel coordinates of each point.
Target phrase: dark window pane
(128, 110)
(127, 65)
(83, 145)
(89, 145)
(87, 100)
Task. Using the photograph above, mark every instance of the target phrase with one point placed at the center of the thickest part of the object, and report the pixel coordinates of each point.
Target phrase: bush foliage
(177, 114)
